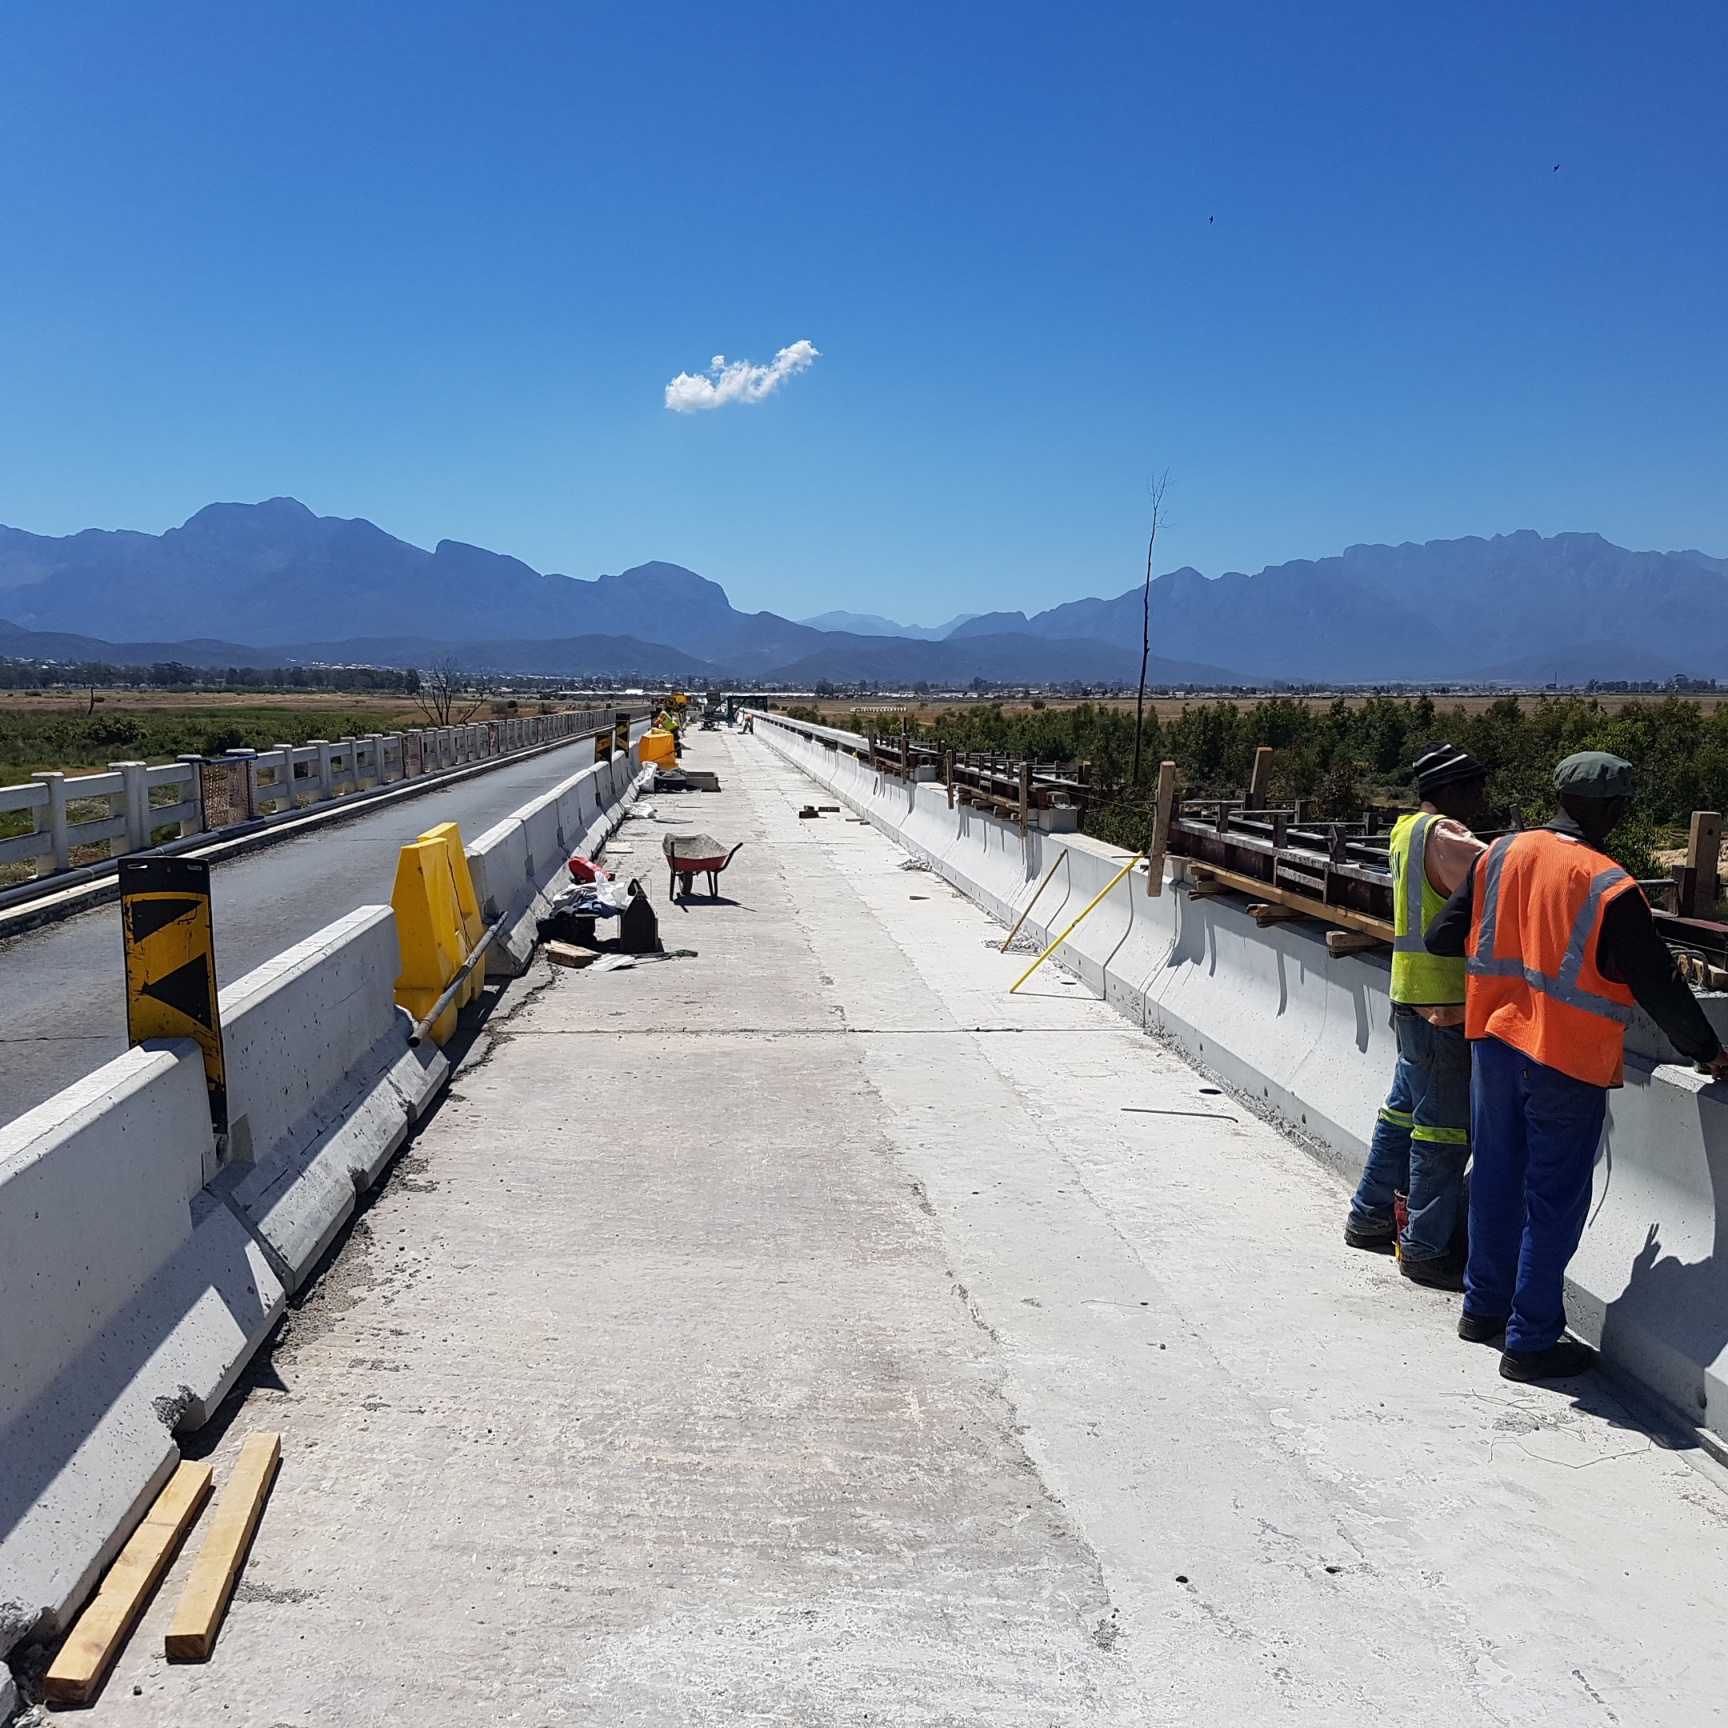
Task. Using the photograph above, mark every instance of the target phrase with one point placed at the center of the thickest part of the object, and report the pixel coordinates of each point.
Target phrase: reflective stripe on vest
(1562, 986)
(1419, 978)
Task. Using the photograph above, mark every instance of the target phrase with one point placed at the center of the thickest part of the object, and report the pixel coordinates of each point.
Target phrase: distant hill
(869, 624)
(1004, 659)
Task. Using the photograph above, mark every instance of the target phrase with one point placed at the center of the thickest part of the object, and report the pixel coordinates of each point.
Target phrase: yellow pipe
(1075, 925)
(1034, 900)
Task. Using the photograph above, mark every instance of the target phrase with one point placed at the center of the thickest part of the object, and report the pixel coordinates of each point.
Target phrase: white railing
(132, 806)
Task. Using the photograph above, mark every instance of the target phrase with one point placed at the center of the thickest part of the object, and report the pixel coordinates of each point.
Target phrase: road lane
(63, 1008)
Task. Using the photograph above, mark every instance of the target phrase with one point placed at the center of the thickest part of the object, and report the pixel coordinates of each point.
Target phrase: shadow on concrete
(1677, 1307)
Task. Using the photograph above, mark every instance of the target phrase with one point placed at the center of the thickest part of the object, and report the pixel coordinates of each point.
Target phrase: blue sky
(436, 265)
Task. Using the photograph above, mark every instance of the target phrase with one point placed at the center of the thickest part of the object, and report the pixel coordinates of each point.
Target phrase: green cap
(1594, 774)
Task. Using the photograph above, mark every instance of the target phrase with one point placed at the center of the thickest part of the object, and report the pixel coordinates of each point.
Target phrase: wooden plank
(568, 954)
(1704, 859)
(102, 1628)
(1163, 810)
(1263, 914)
(1350, 941)
(198, 1618)
(1260, 782)
(1342, 915)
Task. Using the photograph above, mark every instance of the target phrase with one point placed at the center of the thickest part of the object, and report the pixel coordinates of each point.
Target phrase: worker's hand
(1717, 1070)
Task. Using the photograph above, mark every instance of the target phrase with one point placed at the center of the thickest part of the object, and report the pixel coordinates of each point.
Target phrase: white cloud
(690, 392)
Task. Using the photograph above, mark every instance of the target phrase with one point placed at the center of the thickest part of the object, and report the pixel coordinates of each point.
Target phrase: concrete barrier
(1304, 1037)
(132, 1299)
(322, 1085)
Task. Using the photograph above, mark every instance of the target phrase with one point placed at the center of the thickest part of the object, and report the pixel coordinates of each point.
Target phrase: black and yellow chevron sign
(171, 962)
(621, 733)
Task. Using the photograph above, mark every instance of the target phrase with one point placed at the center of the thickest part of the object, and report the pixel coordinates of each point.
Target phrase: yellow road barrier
(437, 925)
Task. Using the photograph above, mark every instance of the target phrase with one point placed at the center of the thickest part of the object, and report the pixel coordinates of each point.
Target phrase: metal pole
(1075, 925)
(1034, 900)
(422, 1027)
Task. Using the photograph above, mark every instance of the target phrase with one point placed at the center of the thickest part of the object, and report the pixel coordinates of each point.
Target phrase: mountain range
(272, 583)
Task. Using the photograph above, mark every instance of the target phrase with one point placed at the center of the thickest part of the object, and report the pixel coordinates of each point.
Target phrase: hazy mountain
(1003, 624)
(1447, 609)
(274, 574)
(277, 577)
(868, 624)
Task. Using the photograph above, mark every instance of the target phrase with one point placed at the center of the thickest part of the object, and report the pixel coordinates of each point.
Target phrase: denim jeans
(1422, 1140)
(1536, 1132)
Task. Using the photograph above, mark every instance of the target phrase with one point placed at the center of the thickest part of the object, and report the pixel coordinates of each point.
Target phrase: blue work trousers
(1422, 1139)
(1535, 1131)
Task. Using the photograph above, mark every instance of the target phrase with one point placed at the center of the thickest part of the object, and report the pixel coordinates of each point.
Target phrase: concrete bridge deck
(805, 1333)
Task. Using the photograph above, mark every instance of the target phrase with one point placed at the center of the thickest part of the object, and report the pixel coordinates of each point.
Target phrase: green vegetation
(90, 741)
(173, 675)
(1346, 757)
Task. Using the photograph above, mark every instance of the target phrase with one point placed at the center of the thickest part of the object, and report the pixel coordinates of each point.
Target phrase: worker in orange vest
(1560, 946)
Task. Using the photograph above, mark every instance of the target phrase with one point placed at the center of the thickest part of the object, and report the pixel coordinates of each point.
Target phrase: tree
(447, 695)
(1156, 489)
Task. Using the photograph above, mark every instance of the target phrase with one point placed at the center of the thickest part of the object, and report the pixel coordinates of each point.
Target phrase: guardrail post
(326, 774)
(285, 776)
(136, 794)
(371, 743)
(55, 824)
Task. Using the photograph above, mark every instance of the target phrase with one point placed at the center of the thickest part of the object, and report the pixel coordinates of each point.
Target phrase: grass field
(63, 730)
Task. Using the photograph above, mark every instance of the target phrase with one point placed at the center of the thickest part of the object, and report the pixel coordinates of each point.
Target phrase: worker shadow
(1677, 1308)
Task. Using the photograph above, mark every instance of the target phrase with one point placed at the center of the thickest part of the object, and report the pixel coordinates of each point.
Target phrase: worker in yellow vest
(1560, 946)
(1421, 1141)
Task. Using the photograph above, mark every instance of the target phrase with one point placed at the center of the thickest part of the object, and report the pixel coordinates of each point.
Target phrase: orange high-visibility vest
(1531, 978)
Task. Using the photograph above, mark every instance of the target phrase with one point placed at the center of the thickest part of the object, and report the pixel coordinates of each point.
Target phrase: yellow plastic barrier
(473, 925)
(437, 924)
(657, 748)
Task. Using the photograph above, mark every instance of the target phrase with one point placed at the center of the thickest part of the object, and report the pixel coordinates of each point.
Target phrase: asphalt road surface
(62, 1003)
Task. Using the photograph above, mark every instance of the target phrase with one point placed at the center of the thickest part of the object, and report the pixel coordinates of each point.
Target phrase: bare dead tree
(448, 696)
(1156, 488)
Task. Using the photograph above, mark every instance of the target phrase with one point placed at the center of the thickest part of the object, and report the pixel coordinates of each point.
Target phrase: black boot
(1441, 1272)
(1481, 1328)
(1558, 1362)
(1372, 1236)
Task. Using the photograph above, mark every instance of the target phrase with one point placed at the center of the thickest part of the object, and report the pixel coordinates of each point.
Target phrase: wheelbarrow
(688, 853)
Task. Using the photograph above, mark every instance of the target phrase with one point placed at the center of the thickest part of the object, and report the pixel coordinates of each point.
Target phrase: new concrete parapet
(1305, 1038)
(323, 1086)
(132, 1300)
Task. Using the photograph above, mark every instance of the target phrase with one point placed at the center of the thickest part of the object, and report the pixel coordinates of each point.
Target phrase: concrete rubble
(807, 1333)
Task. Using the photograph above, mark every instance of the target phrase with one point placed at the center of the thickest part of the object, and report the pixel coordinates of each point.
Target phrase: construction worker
(1422, 1140)
(1560, 946)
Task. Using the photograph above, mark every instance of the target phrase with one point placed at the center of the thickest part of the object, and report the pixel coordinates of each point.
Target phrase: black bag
(639, 931)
